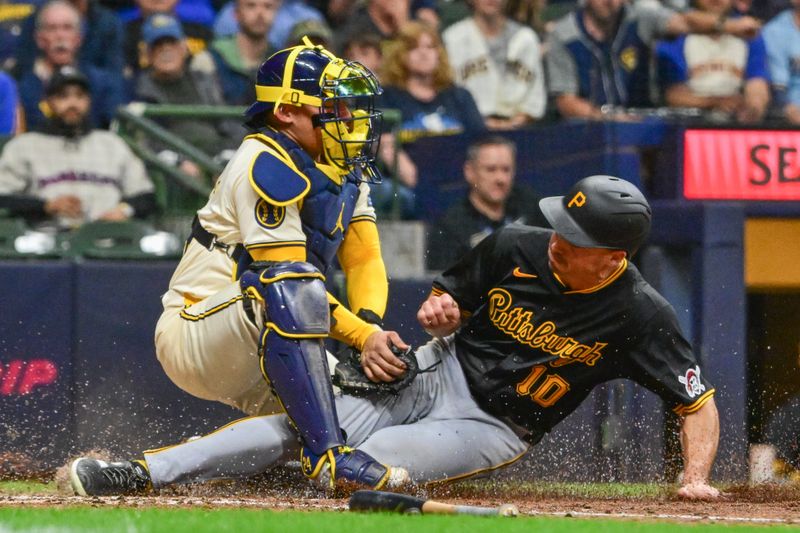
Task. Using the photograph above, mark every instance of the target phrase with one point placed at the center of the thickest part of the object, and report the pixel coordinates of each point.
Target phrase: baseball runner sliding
(523, 327)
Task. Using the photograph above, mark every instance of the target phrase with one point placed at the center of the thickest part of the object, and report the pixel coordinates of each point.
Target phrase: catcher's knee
(293, 295)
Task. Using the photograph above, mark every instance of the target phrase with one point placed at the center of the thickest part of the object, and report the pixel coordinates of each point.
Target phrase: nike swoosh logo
(520, 274)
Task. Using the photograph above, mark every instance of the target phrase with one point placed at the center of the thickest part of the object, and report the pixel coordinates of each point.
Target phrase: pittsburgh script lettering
(518, 323)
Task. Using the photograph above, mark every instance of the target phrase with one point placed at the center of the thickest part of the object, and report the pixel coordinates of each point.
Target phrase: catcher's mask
(344, 91)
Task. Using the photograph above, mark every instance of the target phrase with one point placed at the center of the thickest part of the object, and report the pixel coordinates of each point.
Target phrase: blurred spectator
(317, 31)
(187, 11)
(499, 62)
(197, 36)
(765, 10)
(11, 116)
(176, 77)
(724, 75)
(14, 14)
(88, 174)
(238, 57)
(365, 49)
(377, 17)
(492, 202)
(529, 13)
(782, 37)
(58, 38)
(600, 54)
(418, 82)
(101, 44)
(338, 12)
(290, 13)
(452, 11)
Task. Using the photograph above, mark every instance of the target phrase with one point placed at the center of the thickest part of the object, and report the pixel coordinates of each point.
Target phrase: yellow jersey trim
(279, 253)
(605, 283)
(216, 309)
(362, 218)
(256, 246)
(684, 410)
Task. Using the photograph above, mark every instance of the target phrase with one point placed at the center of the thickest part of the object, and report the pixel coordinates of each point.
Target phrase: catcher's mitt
(349, 375)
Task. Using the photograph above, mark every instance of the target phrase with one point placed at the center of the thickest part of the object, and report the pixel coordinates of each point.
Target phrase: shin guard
(292, 350)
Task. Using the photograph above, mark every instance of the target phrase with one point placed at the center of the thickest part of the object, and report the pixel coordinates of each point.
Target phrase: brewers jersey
(532, 349)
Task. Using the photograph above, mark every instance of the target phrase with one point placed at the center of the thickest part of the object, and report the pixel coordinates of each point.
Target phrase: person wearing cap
(238, 56)
(197, 36)
(524, 327)
(58, 38)
(536, 318)
(174, 76)
(88, 174)
(317, 31)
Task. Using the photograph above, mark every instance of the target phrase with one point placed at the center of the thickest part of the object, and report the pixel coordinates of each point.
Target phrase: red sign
(19, 377)
(741, 165)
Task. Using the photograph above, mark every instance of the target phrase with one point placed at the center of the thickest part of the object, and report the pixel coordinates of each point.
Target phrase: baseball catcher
(247, 310)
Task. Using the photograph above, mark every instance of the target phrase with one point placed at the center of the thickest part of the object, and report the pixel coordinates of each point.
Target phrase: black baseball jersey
(532, 349)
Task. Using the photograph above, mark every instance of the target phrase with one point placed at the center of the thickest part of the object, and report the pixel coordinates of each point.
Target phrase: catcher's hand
(350, 377)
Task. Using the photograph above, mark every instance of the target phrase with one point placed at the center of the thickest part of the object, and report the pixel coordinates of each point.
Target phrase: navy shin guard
(292, 350)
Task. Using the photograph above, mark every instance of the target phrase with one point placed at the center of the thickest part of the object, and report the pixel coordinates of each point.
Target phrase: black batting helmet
(600, 212)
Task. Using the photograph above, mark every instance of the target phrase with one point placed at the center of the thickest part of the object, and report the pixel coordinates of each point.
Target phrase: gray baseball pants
(433, 428)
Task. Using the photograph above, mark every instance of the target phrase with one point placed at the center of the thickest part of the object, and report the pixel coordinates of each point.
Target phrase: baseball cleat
(93, 477)
(343, 465)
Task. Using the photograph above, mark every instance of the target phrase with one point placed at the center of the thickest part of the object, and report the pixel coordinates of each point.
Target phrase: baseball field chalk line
(116, 501)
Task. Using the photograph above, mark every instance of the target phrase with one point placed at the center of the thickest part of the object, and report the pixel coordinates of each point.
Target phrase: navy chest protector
(327, 207)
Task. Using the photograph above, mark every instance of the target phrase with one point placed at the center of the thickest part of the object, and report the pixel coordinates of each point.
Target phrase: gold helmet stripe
(285, 94)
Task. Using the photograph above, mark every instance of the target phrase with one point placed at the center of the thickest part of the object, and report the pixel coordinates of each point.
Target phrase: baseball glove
(349, 374)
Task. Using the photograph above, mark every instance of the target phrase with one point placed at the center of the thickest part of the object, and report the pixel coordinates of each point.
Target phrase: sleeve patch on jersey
(275, 181)
(268, 215)
(691, 381)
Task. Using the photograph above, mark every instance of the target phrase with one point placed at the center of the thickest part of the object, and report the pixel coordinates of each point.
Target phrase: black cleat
(93, 477)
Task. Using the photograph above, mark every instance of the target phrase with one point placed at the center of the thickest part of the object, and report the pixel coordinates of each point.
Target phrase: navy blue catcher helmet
(344, 91)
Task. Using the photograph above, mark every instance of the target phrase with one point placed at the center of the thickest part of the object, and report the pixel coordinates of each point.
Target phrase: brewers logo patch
(268, 215)
(629, 58)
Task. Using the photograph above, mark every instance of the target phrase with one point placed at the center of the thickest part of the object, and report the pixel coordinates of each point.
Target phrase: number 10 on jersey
(544, 390)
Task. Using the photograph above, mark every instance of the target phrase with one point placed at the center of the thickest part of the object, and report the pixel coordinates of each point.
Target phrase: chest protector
(325, 208)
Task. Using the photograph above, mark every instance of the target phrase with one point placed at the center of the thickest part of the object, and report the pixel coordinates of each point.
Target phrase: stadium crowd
(448, 66)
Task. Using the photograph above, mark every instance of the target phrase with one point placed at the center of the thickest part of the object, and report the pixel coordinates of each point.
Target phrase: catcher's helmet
(343, 90)
(600, 212)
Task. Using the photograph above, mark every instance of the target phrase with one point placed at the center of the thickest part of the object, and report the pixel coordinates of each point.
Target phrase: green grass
(508, 489)
(126, 520)
(129, 519)
(27, 487)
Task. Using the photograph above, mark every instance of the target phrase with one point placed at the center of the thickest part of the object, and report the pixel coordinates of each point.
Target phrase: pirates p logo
(578, 200)
(268, 215)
